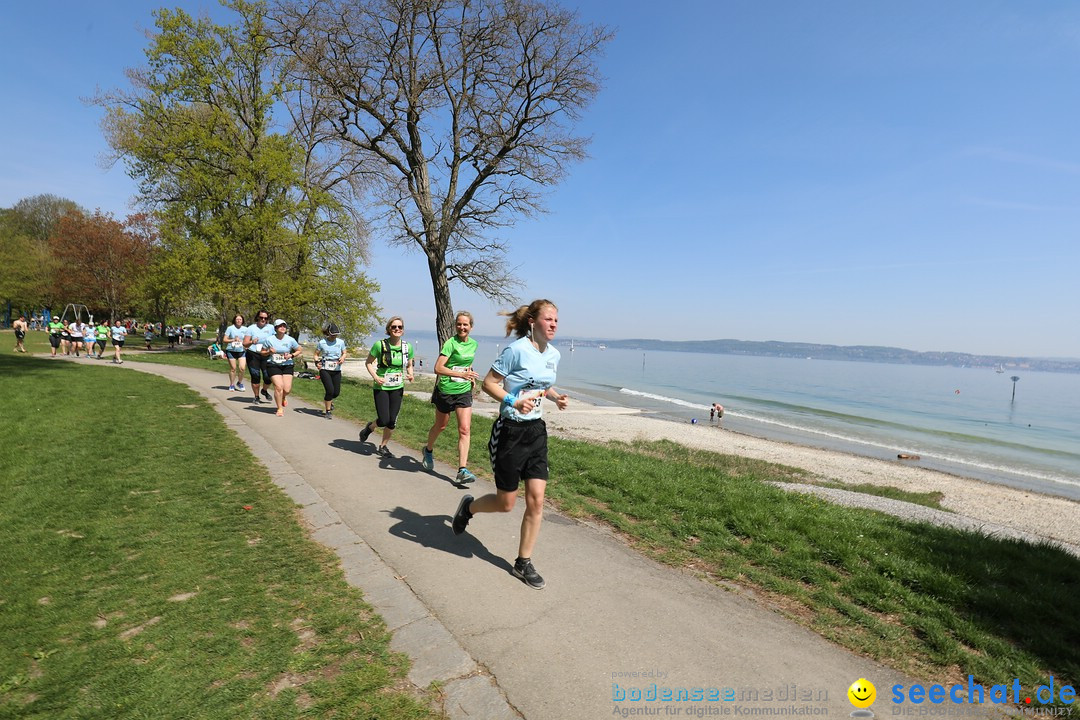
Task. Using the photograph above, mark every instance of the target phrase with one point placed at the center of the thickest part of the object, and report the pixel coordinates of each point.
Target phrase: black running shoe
(385, 452)
(523, 569)
(462, 516)
(365, 433)
(266, 395)
(329, 415)
(258, 400)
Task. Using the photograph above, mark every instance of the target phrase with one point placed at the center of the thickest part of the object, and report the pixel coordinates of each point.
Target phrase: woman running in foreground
(521, 377)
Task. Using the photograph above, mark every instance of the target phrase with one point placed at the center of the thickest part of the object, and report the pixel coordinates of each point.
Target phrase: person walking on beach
(520, 378)
(234, 350)
(119, 334)
(454, 394)
(258, 334)
(280, 351)
(329, 354)
(390, 365)
(20, 327)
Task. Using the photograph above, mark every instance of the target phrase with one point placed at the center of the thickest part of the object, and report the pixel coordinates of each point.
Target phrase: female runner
(390, 364)
(454, 394)
(521, 377)
(234, 351)
(279, 353)
(329, 354)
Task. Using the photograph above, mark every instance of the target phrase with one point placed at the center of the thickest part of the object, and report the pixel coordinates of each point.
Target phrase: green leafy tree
(242, 222)
(27, 267)
(461, 112)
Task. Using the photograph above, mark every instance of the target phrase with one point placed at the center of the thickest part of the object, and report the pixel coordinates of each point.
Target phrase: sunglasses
(263, 317)
(397, 327)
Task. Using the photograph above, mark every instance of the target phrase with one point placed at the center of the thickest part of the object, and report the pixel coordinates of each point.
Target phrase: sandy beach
(995, 509)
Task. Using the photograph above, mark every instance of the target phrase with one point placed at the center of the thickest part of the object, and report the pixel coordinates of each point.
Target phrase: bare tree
(461, 110)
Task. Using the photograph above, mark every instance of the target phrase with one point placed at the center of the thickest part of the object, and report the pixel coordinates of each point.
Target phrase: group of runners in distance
(80, 339)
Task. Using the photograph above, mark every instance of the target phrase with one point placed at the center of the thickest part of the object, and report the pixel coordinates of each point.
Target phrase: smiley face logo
(862, 693)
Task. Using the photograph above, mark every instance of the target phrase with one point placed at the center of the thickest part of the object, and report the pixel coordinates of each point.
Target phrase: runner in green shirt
(390, 364)
(454, 393)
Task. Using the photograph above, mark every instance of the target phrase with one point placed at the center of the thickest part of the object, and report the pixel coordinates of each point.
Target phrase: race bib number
(392, 378)
(236, 346)
(330, 365)
(458, 368)
(257, 347)
(278, 358)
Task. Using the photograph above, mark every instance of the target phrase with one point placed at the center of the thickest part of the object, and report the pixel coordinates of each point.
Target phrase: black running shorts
(518, 452)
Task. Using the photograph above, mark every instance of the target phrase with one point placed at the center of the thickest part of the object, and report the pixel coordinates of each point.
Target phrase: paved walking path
(609, 622)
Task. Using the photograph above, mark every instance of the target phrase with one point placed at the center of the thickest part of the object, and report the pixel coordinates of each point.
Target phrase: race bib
(236, 346)
(458, 368)
(330, 365)
(257, 347)
(278, 358)
(392, 378)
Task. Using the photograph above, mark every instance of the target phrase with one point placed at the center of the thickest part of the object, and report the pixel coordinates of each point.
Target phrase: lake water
(959, 420)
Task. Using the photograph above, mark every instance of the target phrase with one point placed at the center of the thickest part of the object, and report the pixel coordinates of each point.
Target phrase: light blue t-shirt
(234, 336)
(119, 332)
(259, 335)
(331, 351)
(526, 370)
(279, 348)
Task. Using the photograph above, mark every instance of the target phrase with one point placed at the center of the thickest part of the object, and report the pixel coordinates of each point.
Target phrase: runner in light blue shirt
(329, 354)
(279, 352)
(520, 379)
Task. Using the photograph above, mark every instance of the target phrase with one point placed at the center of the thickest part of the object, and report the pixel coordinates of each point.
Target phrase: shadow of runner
(434, 531)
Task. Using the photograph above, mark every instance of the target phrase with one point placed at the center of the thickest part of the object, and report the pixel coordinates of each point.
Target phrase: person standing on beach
(329, 354)
(389, 366)
(20, 327)
(234, 350)
(280, 351)
(521, 377)
(256, 336)
(454, 393)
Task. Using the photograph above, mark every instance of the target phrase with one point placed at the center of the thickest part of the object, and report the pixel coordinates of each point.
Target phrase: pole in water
(1014, 378)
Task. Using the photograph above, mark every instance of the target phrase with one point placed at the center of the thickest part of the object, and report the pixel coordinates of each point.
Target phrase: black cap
(332, 329)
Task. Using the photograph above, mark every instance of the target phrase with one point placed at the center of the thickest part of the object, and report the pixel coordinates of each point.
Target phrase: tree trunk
(444, 307)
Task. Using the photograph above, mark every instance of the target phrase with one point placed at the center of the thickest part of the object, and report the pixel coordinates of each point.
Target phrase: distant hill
(862, 353)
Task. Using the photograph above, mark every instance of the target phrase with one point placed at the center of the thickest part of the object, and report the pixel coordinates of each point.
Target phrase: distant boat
(603, 347)
(571, 344)
(1000, 368)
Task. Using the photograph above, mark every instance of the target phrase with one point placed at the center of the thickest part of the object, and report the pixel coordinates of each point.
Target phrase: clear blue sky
(856, 172)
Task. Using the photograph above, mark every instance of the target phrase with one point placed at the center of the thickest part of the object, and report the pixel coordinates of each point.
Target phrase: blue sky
(854, 172)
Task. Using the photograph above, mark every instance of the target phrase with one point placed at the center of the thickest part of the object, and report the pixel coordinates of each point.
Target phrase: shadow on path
(434, 531)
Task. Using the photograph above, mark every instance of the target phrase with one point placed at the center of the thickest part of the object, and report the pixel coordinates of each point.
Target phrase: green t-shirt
(102, 332)
(459, 356)
(56, 327)
(391, 362)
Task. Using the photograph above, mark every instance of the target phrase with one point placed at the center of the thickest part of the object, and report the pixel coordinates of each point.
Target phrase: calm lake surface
(959, 420)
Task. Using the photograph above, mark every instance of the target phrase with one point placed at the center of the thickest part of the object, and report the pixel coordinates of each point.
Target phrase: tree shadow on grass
(434, 531)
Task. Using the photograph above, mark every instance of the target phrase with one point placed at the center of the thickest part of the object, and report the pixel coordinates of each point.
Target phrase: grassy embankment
(141, 577)
(934, 602)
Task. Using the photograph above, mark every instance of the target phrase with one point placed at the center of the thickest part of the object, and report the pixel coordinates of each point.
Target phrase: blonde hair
(464, 313)
(518, 321)
(391, 322)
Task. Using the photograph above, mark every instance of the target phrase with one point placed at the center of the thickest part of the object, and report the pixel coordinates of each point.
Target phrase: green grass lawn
(140, 579)
(934, 602)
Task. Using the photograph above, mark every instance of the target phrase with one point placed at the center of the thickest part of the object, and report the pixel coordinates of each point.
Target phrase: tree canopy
(461, 112)
(243, 218)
